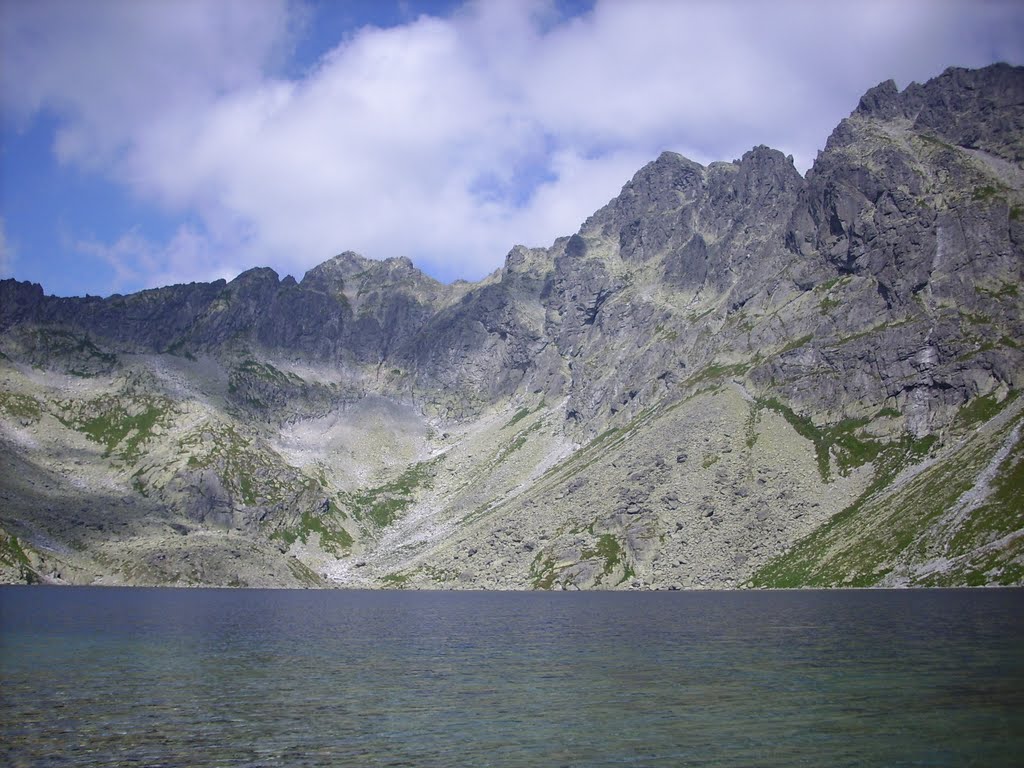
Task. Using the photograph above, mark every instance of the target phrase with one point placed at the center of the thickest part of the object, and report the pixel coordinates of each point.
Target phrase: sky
(152, 142)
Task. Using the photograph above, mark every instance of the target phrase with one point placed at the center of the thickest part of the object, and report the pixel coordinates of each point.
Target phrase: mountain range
(732, 375)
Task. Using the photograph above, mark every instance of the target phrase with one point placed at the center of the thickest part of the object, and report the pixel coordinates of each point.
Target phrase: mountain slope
(730, 375)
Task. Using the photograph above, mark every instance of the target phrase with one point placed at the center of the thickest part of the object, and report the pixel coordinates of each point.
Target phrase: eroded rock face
(907, 217)
(882, 290)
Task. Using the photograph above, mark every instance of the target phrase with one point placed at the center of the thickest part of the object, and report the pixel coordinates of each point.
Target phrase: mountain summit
(731, 375)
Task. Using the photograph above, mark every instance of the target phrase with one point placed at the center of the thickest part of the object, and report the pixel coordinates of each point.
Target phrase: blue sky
(149, 142)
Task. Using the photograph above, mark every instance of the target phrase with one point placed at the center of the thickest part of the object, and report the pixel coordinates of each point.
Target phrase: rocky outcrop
(872, 307)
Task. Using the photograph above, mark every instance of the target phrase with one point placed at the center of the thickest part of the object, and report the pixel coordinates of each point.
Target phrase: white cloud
(448, 140)
(187, 256)
(114, 70)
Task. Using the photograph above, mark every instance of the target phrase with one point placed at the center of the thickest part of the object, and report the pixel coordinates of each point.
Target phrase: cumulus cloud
(188, 256)
(113, 70)
(446, 139)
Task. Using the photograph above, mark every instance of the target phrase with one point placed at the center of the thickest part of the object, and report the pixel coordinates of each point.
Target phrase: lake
(167, 677)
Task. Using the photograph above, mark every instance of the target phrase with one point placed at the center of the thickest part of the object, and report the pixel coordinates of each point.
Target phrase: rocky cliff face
(729, 375)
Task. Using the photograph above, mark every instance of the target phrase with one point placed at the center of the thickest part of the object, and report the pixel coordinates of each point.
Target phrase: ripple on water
(103, 677)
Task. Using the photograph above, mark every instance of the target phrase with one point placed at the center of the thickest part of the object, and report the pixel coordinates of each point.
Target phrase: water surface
(162, 677)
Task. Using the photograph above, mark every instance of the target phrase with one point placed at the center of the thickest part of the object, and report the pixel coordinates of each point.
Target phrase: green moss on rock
(383, 504)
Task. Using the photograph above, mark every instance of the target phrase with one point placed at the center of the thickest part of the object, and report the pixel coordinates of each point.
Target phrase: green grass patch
(1002, 568)
(985, 192)
(827, 304)
(518, 442)
(287, 535)
(522, 413)
(11, 554)
(519, 415)
(935, 141)
(976, 319)
(750, 425)
(982, 347)
(851, 450)
(795, 344)
(438, 575)
(981, 409)
(1004, 291)
(396, 579)
(856, 546)
(667, 334)
(610, 552)
(514, 446)
(542, 571)
(717, 371)
(111, 429)
(383, 504)
(327, 524)
(121, 424)
(332, 539)
(875, 329)
(20, 406)
(303, 574)
(831, 283)
(1004, 511)
(607, 550)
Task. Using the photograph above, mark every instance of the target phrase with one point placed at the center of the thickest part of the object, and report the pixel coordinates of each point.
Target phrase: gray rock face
(882, 290)
(931, 226)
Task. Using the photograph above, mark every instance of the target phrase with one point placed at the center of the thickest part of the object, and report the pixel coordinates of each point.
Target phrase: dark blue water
(92, 676)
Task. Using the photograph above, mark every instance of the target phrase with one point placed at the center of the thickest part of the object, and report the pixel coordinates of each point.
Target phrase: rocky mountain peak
(521, 260)
(723, 364)
(972, 108)
(760, 174)
(978, 109)
(882, 101)
(18, 300)
(256, 282)
(668, 181)
(332, 274)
